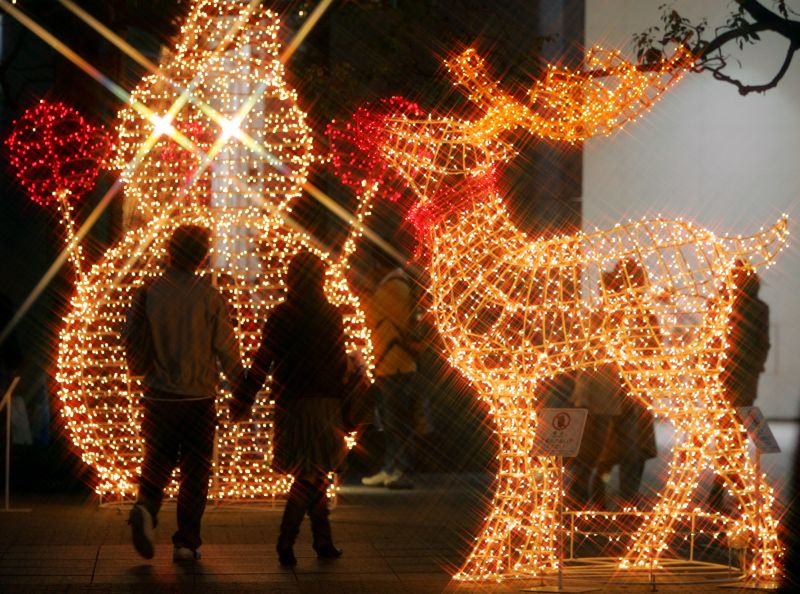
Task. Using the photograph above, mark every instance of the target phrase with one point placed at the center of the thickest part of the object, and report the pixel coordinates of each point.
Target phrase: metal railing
(6, 403)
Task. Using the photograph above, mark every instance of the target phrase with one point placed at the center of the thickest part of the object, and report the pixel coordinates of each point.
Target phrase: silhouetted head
(745, 278)
(188, 247)
(607, 278)
(627, 273)
(305, 276)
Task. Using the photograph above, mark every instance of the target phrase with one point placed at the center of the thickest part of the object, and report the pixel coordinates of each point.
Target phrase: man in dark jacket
(190, 335)
(748, 341)
(748, 347)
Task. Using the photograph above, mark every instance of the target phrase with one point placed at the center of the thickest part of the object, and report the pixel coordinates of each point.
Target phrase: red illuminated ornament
(355, 145)
(57, 156)
(55, 152)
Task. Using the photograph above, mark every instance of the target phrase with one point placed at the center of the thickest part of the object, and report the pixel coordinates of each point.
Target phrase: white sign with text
(559, 432)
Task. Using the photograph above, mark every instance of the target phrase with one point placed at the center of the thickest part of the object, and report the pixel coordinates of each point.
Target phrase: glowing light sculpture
(514, 310)
(215, 138)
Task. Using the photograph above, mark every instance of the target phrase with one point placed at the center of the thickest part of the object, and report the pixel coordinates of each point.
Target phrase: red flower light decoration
(355, 145)
(55, 152)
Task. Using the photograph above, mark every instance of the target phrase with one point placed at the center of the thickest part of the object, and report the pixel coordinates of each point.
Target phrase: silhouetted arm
(245, 395)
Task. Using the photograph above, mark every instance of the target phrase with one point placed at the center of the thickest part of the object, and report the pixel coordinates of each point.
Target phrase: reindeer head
(447, 162)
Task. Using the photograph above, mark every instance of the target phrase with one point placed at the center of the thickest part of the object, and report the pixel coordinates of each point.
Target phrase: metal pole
(691, 537)
(560, 533)
(572, 536)
(6, 402)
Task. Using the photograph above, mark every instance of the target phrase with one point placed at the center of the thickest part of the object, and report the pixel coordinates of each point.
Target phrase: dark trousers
(178, 433)
(587, 489)
(306, 496)
(395, 398)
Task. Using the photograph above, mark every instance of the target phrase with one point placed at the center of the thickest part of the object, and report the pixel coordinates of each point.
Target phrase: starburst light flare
(216, 138)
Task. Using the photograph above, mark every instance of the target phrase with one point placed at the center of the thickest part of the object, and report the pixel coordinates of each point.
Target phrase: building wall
(722, 160)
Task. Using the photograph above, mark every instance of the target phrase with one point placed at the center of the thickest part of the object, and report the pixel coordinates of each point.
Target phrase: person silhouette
(746, 355)
(184, 330)
(303, 348)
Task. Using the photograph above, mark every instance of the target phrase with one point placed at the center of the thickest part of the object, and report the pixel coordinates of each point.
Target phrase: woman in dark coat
(303, 347)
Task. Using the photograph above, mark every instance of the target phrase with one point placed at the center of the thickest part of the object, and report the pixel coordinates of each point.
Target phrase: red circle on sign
(561, 421)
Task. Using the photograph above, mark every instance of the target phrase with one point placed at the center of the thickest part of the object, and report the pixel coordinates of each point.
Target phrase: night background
(720, 150)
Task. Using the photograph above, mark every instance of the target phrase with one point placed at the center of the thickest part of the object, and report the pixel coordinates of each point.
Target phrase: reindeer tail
(758, 250)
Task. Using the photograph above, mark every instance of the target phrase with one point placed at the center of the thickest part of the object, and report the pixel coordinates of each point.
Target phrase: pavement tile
(398, 543)
(44, 579)
(354, 577)
(52, 552)
(234, 578)
(344, 566)
(209, 568)
(143, 574)
(141, 579)
(46, 569)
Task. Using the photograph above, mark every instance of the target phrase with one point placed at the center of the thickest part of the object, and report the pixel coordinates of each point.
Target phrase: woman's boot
(293, 512)
(320, 525)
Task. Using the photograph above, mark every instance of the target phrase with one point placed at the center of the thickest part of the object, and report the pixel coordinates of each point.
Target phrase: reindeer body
(514, 311)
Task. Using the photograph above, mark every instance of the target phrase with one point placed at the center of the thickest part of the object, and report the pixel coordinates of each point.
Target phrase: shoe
(286, 557)
(328, 552)
(141, 523)
(399, 481)
(376, 480)
(185, 554)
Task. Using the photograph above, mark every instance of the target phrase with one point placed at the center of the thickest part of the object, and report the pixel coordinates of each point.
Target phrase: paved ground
(395, 542)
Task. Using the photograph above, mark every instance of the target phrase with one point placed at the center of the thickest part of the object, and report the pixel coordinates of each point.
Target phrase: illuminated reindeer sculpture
(514, 310)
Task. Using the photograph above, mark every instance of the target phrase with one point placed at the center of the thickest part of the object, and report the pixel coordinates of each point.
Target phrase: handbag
(358, 402)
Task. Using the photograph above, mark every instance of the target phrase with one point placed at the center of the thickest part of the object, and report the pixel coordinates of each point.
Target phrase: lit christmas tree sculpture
(215, 138)
(514, 310)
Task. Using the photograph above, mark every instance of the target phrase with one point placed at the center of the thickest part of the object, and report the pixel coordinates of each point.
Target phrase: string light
(55, 152)
(220, 142)
(514, 311)
(57, 156)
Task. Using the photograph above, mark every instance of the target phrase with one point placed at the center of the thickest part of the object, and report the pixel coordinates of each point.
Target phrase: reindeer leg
(690, 457)
(519, 536)
(755, 497)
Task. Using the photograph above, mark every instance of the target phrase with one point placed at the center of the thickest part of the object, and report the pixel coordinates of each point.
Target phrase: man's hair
(188, 247)
(306, 274)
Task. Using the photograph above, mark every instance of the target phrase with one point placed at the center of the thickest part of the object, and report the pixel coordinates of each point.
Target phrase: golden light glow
(568, 106)
(162, 125)
(514, 310)
(215, 138)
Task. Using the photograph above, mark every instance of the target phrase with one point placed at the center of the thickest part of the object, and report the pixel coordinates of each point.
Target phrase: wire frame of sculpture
(215, 138)
(101, 402)
(514, 310)
(511, 313)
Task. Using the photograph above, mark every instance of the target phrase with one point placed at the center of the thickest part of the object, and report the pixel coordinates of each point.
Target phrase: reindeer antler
(570, 105)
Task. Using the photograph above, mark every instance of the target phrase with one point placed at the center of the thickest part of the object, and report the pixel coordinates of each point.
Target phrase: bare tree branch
(744, 26)
(745, 89)
(702, 50)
